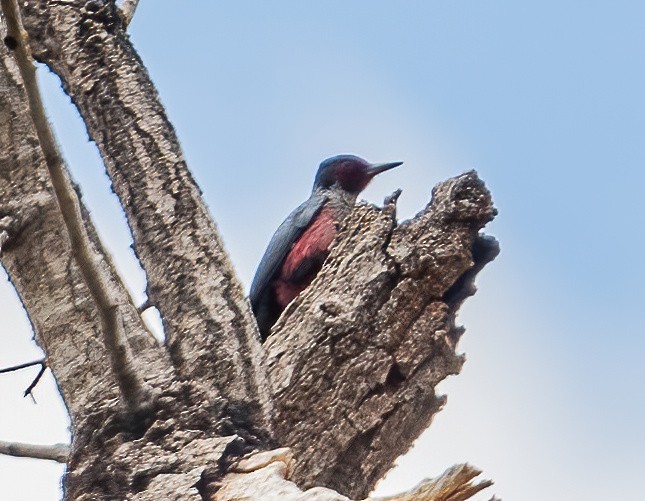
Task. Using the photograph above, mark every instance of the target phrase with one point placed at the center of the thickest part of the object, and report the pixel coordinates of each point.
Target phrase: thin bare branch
(14, 368)
(128, 7)
(136, 394)
(56, 452)
(43, 367)
(33, 384)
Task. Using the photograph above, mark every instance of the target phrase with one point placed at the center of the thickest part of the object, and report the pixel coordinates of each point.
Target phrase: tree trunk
(342, 387)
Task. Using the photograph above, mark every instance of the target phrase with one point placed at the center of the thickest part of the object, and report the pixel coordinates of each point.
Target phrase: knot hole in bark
(10, 42)
(394, 377)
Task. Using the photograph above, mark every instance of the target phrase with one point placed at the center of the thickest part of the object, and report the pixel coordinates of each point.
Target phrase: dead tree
(340, 389)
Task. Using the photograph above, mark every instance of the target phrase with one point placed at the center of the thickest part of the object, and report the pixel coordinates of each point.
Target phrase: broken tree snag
(211, 333)
(354, 360)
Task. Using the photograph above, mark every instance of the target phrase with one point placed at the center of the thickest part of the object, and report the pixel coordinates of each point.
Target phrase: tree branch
(136, 394)
(354, 360)
(109, 455)
(211, 332)
(37, 255)
(18, 367)
(35, 381)
(128, 7)
(32, 385)
(57, 452)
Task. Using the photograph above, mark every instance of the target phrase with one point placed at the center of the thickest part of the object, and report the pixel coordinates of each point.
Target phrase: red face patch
(352, 175)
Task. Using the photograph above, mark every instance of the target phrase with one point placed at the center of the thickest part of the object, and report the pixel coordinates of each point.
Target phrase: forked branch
(211, 334)
(18, 367)
(136, 394)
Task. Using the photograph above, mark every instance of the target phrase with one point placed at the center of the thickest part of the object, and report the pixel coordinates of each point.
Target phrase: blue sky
(544, 99)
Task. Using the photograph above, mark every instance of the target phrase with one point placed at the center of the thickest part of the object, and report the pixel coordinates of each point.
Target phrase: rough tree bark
(346, 382)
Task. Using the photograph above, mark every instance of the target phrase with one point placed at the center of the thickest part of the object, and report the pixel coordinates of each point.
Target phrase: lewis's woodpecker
(302, 242)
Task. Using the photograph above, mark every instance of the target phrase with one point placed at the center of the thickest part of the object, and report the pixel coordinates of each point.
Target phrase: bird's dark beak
(375, 169)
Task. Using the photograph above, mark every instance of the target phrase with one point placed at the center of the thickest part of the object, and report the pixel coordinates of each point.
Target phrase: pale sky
(544, 99)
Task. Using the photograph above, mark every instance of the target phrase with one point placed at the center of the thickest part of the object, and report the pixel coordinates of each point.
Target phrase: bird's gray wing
(281, 243)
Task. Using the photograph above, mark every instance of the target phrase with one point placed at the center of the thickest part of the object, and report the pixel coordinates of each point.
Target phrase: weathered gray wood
(210, 330)
(355, 359)
(56, 452)
(38, 258)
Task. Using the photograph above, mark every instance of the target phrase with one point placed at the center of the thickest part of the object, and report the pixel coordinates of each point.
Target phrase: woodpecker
(302, 242)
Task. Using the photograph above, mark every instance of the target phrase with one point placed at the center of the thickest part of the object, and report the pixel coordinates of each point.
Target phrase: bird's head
(349, 173)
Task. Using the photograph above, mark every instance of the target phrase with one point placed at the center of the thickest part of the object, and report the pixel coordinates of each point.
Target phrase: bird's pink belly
(312, 245)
